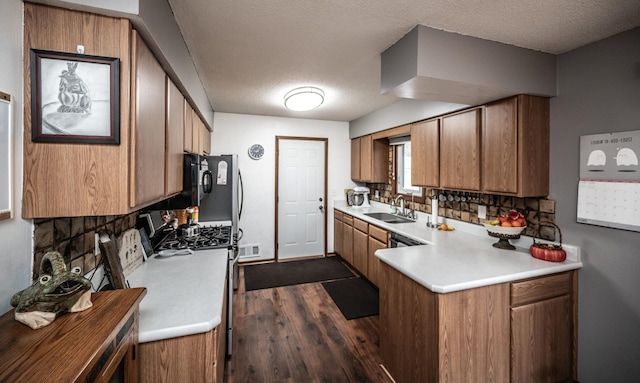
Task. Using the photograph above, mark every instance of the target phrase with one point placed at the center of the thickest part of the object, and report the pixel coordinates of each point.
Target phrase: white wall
(234, 133)
(15, 234)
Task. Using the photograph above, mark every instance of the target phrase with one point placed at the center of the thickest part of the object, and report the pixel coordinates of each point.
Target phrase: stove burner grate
(209, 237)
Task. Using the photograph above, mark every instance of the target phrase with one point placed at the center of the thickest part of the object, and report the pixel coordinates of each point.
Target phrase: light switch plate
(482, 212)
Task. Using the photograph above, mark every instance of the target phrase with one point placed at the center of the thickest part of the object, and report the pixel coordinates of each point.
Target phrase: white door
(301, 198)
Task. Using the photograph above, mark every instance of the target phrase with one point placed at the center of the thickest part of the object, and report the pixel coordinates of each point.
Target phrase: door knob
(321, 208)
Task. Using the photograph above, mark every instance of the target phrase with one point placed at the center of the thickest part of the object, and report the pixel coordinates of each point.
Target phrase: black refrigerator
(225, 200)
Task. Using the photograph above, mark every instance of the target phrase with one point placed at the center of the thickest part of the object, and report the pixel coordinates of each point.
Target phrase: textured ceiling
(249, 53)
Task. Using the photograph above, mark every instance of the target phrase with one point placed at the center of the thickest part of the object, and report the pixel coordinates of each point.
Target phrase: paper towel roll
(434, 211)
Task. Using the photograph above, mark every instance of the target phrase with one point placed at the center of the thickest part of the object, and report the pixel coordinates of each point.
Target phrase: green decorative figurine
(56, 291)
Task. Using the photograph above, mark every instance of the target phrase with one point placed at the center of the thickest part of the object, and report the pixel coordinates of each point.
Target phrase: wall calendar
(609, 186)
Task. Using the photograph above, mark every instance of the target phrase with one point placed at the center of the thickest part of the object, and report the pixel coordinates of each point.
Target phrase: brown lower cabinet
(378, 239)
(543, 312)
(520, 331)
(347, 238)
(360, 246)
(337, 232)
(99, 344)
(356, 241)
(191, 358)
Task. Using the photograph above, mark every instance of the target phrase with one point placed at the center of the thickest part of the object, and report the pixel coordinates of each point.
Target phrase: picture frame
(112, 265)
(6, 154)
(74, 98)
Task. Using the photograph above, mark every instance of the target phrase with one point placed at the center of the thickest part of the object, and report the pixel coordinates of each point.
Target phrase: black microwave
(197, 182)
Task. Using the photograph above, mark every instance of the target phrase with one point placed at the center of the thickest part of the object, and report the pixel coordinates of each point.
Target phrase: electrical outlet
(482, 212)
(96, 249)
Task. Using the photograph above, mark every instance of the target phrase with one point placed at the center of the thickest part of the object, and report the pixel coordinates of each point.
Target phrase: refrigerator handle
(207, 181)
(241, 194)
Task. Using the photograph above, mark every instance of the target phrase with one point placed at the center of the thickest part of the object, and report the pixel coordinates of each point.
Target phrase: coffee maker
(359, 197)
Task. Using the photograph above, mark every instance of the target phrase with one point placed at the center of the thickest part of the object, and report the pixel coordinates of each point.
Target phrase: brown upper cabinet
(512, 137)
(201, 136)
(425, 153)
(355, 159)
(197, 134)
(63, 180)
(197, 137)
(188, 127)
(148, 124)
(515, 147)
(175, 139)
(205, 140)
(68, 180)
(369, 159)
(460, 151)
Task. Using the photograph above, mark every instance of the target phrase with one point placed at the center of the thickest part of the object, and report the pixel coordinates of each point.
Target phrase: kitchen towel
(278, 274)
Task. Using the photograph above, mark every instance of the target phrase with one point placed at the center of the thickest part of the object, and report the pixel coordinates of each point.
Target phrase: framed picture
(74, 98)
(112, 266)
(6, 154)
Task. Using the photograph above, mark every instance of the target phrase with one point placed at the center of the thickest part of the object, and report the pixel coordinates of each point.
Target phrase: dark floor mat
(278, 274)
(355, 297)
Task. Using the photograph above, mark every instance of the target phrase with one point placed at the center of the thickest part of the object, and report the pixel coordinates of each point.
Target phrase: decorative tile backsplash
(74, 238)
(464, 207)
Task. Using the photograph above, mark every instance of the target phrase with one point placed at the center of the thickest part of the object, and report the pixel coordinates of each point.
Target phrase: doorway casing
(277, 192)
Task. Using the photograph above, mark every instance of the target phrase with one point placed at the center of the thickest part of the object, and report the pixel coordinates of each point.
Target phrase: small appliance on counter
(358, 197)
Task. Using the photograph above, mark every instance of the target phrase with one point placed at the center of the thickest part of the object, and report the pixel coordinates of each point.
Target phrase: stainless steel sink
(388, 218)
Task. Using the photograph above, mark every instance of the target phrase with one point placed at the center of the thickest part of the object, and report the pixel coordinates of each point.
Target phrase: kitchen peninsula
(458, 309)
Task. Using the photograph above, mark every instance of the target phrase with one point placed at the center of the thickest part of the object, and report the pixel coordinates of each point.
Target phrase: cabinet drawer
(337, 214)
(346, 218)
(539, 289)
(378, 233)
(361, 225)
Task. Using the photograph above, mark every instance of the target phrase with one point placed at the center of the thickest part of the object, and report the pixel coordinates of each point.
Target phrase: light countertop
(461, 259)
(185, 294)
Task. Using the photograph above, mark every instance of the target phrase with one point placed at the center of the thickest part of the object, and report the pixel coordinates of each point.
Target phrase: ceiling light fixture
(304, 98)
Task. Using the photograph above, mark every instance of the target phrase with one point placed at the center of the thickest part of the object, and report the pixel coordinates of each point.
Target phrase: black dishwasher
(398, 240)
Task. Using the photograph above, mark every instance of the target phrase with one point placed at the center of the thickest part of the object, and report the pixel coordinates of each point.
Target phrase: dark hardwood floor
(297, 334)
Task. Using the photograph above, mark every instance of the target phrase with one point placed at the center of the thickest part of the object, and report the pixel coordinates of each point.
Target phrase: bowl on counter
(504, 234)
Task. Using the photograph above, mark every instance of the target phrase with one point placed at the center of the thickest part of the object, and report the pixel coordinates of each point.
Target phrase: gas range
(206, 237)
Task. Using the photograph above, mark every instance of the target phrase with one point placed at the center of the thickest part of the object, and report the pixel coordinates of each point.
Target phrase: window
(402, 170)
